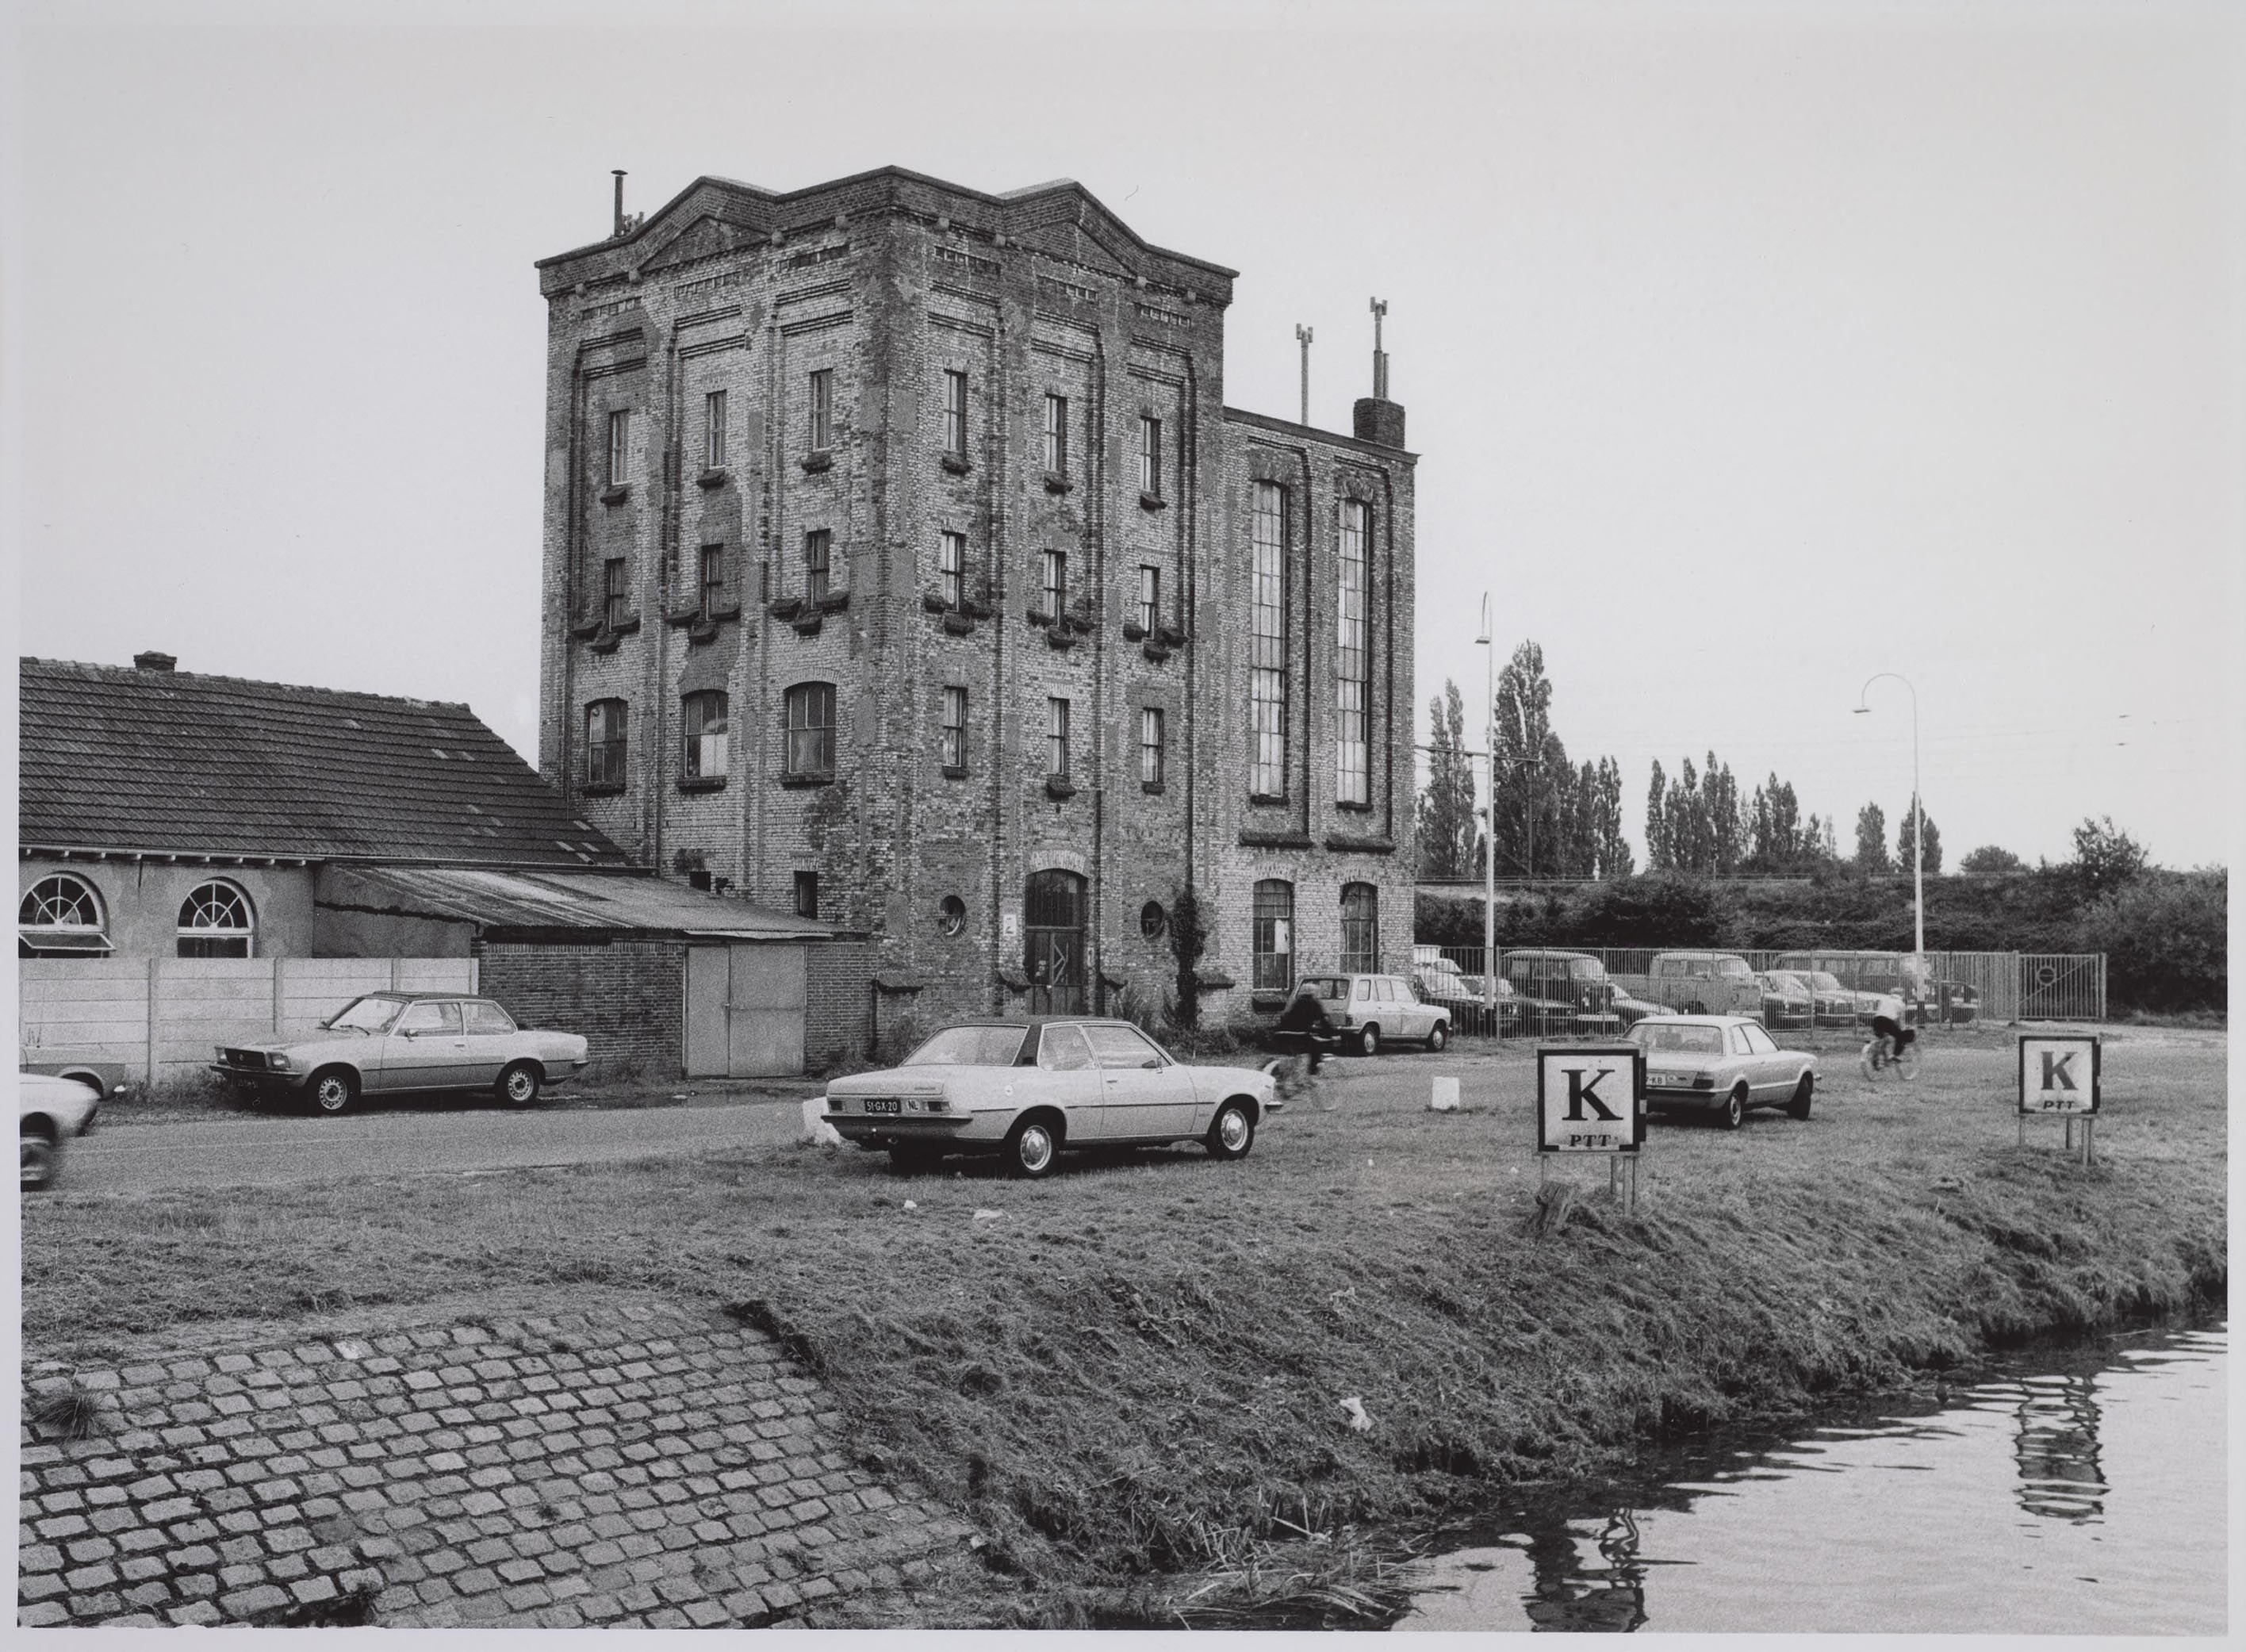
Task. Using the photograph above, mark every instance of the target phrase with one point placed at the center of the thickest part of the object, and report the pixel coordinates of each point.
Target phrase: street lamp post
(1918, 819)
(1489, 641)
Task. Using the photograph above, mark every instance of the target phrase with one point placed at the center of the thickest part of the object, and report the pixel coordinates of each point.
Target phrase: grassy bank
(1133, 1372)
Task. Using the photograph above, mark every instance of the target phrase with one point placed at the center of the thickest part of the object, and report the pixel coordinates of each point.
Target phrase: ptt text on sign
(2058, 1073)
(1590, 1100)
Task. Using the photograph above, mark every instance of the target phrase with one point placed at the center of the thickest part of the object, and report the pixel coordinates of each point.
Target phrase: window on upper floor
(60, 917)
(1150, 746)
(713, 431)
(817, 548)
(702, 724)
(951, 568)
(619, 460)
(951, 732)
(1267, 641)
(1053, 567)
(810, 731)
(1057, 737)
(215, 921)
(1273, 942)
(1150, 599)
(1352, 659)
(615, 591)
(955, 413)
(1150, 456)
(807, 895)
(1056, 434)
(712, 581)
(604, 745)
(821, 421)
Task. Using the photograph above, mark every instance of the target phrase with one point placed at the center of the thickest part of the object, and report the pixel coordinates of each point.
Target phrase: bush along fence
(160, 1016)
(1968, 986)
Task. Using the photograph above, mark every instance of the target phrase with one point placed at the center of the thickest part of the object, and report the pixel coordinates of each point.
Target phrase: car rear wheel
(518, 1086)
(40, 1159)
(1368, 1041)
(1735, 1107)
(1804, 1093)
(1437, 1036)
(1232, 1132)
(1032, 1147)
(335, 1090)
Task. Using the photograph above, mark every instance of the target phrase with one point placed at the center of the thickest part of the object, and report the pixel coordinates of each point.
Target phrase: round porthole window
(1153, 921)
(951, 914)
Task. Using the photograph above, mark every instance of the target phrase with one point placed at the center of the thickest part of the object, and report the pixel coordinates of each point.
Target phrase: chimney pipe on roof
(152, 661)
(621, 225)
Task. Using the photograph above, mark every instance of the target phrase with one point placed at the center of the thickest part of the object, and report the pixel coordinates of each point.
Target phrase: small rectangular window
(810, 712)
(807, 895)
(951, 739)
(604, 743)
(713, 431)
(1057, 737)
(1150, 599)
(713, 579)
(1056, 434)
(615, 593)
(1150, 457)
(619, 447)
(822, 409)
(955, 413)
(1150, 746)
(1056, 581)
(817, 545)
(951, 569)
(702, 724)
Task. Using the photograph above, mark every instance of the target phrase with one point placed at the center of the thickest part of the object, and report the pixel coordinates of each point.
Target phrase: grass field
(1131, 1374)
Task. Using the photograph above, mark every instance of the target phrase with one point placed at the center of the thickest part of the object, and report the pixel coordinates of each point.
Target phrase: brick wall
(626, 998)
(838, 995)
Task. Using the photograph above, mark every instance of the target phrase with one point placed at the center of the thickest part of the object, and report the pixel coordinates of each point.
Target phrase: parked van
(1574, 979)
(1700, 983)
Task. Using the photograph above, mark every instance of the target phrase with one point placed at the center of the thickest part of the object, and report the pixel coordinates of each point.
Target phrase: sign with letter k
(2058, 1073)
(1590, 1100)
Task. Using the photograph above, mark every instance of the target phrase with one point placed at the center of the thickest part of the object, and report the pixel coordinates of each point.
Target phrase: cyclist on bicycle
(1889, 1037)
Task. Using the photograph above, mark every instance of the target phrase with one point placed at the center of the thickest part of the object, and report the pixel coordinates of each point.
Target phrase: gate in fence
(2057, 986)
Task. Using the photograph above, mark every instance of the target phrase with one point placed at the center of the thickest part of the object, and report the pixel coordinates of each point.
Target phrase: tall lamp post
(1489, 641)
(1917, 817)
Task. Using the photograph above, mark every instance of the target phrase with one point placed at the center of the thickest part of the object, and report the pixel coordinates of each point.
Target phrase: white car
(1025, 1091)
(50, 1110)
(1367, 1009)
(1721, 1064)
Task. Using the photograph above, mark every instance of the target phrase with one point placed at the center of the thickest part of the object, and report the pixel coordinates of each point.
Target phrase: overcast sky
(1750, 350)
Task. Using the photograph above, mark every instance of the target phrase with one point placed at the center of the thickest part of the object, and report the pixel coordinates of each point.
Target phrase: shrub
(2166, 938)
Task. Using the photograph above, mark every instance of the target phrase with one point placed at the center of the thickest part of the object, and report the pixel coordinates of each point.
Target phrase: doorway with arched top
(1052, 940)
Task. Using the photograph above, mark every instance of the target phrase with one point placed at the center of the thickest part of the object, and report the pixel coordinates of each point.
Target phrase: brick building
(904, 568)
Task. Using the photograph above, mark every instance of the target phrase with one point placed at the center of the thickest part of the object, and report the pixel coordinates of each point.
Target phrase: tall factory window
(951, 568)
(811, 730)
(604, 745)
(1360, 928)
(1055, 568)
(713, 431)
(1150, 599)
(615, 593)
(703, 723)
(1057, 737)
(1150, 746)
(1267, 644)
(619, 448)
(951, 734)
(1150, 456)
(817, 545)
(1352, 661)
(955, 413)
(1274, 942)
(822, 409)
(712, 581)
(1056, 434)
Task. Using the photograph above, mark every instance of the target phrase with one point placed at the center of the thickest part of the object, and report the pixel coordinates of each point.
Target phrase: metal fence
(2003, 986)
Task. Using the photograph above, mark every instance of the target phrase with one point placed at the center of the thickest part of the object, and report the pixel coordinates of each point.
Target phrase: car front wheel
(1804, 1093)
(518, 1086)
(1368, 1041)
(1032, 1147)
(335, 1090)
(1232, 1132)
(40, 1159)
(1735, 1107)
(1437, 1036)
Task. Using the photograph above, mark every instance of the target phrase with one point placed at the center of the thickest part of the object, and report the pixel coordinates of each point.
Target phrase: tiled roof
(119, 759)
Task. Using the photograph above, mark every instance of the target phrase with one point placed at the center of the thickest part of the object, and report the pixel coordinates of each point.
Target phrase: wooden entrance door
(1052, 937)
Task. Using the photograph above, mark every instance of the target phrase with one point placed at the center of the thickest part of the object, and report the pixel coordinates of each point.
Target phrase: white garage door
(745, 1006)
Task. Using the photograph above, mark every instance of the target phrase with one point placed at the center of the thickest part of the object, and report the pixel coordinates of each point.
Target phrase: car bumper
(262, 1084)
(956, 1133)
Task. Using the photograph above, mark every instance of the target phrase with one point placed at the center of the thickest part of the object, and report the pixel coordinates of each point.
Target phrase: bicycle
(1881, 1059)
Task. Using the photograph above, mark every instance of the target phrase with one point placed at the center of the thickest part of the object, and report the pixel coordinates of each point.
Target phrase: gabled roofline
(771, 202)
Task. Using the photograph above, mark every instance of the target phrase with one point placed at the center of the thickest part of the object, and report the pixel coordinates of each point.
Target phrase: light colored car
(390, 1041)
(1836, 1005)
(49, 1111)
(1704, 984)
(1369, 1009)
(1725, 1065)
(1027, 1090)
(106, 1079)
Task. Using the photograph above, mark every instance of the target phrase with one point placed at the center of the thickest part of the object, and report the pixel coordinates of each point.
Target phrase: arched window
(60, 917)
(1275, 934)
(1360, 928)
(703, 723)
(215, 922)
(604, 745)
(811, 731)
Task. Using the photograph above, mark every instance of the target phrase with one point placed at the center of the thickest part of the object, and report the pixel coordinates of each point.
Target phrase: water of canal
(2079, 1494)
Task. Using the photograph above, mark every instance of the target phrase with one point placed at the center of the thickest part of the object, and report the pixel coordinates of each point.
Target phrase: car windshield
(1691, 1041)
(366, 1014)
(970, 1047)
(1587, 969)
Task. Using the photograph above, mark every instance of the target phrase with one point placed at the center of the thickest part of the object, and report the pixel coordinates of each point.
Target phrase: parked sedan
(105, 1078)
(1027, 1090)
(49, 1111)
(389, 1041)
(1722, 1065)
(1786, 1002)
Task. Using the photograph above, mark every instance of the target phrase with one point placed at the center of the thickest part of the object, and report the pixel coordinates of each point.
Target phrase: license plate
(1662, 1078)
(881, 1104)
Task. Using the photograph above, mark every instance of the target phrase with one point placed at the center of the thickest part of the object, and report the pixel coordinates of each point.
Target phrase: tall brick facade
(937, 404)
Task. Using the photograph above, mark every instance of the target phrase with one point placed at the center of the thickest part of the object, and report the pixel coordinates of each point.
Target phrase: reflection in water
(2056, 1447)
(1572, 1595)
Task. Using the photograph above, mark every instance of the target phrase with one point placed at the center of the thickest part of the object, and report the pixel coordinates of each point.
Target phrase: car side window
(1759, 1042)
(1364, 991)
(483, 1015)
(1123, 1047)
(1737, 1037)
(429, 1017)
(1063, 1049)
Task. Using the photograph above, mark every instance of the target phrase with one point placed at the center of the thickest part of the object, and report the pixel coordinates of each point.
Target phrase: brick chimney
(1379, 419)
(152, 661)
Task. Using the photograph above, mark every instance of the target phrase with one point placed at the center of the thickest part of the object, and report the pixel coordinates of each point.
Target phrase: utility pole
(1489, 641)
(1302, 337)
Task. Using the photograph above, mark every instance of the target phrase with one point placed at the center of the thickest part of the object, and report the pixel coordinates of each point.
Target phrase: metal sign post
(1591, 1099)
(2060, 1078)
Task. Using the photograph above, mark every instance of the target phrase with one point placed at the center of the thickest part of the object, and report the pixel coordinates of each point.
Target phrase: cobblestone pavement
(634, 1465)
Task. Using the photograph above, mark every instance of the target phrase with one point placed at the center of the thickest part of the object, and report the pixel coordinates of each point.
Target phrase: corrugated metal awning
(548, 901)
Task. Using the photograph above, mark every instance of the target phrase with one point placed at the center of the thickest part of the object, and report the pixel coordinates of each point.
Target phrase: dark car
(1927, 997)
(1574, 981)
